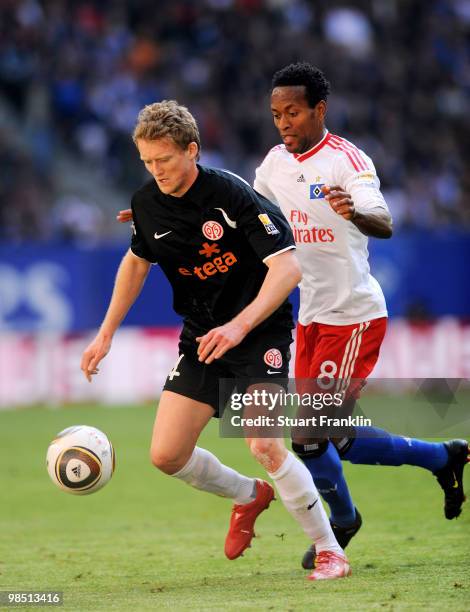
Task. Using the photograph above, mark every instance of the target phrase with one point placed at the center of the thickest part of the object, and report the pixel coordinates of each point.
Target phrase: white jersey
(336, 288)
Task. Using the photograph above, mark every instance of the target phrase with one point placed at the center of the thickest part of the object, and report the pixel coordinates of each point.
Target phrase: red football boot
(243, 519)
(330, 565)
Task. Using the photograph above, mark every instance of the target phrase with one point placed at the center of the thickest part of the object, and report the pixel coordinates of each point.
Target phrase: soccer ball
(80, 460)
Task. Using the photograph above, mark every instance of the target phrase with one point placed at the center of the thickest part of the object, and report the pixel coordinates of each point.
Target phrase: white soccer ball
(80, 460)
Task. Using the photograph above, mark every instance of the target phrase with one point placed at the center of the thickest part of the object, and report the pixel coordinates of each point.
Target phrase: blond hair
(167, 119)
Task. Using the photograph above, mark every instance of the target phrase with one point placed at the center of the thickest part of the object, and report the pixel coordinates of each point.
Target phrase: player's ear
(320, 109)
(193, 150)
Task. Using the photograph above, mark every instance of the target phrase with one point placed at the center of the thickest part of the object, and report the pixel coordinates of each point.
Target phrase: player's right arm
(130, 279)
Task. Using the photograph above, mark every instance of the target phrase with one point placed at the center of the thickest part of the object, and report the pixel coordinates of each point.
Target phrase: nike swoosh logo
(228, 221)
(158, 236)
(311, 505)
(273, 372)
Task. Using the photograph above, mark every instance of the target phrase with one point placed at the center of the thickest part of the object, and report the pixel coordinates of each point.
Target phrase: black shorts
(260, 356)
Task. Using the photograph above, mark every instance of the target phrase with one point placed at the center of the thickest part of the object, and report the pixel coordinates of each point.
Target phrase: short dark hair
(316, 86)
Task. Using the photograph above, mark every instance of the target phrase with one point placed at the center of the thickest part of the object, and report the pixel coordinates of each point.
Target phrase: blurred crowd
(74, 74)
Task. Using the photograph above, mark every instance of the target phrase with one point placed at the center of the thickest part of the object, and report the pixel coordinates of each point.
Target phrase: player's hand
(124, 216)
(93, 354)
(340, 201)
(219, 340)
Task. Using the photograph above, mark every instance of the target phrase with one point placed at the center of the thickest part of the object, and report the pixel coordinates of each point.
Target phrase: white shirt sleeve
(364, 186)
(261, 183)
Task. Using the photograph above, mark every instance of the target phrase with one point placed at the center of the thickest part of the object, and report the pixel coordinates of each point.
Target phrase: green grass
(148, 542)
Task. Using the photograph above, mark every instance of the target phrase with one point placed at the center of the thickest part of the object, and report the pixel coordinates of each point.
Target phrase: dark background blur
(74, 74)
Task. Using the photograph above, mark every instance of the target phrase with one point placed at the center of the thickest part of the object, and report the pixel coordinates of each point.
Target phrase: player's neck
(188, 183)
(315, 141)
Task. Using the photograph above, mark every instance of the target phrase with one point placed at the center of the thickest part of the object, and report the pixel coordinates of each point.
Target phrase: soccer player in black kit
(229, 256)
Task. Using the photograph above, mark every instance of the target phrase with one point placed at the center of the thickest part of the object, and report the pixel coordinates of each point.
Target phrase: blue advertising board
(67, 288)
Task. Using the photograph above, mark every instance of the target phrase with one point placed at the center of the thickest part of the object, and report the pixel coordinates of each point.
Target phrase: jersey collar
(197, 189)
(300, 157)
(193, 194)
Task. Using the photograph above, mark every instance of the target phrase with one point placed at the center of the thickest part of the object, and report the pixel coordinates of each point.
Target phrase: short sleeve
(138, 244)
(262, 180)
(260, 220)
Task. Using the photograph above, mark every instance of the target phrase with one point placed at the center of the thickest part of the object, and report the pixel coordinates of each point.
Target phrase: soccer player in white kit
(329, 192)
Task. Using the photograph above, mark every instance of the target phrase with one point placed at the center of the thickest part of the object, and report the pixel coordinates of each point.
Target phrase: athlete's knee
(167, 461)
(269, 452)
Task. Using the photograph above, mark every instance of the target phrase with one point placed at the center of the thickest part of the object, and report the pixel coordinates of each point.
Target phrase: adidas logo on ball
(77, 471)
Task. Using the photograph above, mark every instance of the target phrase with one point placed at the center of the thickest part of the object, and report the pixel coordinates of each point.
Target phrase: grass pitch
(148, 542)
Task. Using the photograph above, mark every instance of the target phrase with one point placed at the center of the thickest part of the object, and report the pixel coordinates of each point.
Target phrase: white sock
(300, 496)
(205, 472)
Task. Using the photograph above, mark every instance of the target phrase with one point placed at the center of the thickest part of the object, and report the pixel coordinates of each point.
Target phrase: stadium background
(73, 75)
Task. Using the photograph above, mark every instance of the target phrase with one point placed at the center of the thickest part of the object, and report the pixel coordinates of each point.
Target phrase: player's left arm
(282, 277)
(354, 193)
(375, 222)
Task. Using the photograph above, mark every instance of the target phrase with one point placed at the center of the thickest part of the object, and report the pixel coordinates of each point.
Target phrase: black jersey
(211, 243)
